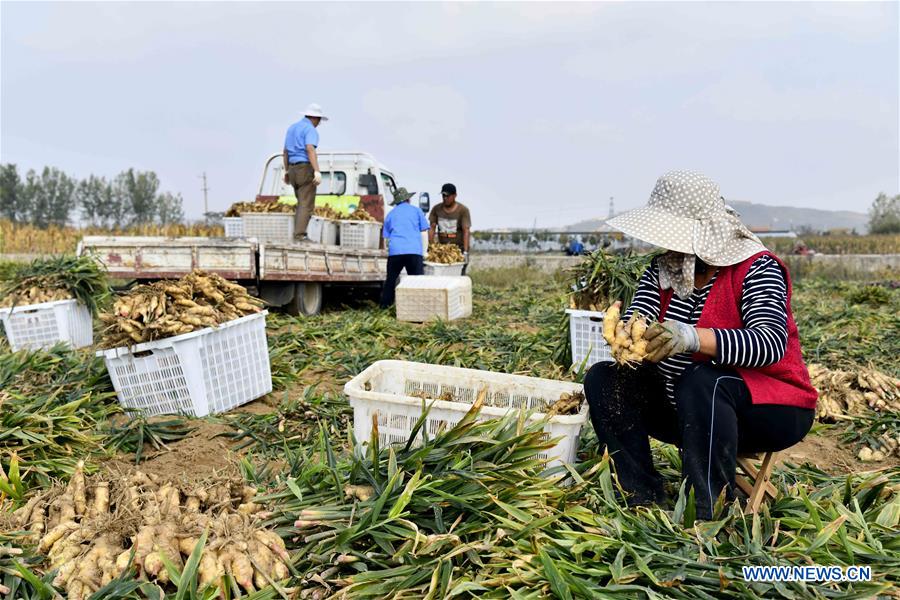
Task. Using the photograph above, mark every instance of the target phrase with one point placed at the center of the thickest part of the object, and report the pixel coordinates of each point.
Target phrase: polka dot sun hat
(686, 213)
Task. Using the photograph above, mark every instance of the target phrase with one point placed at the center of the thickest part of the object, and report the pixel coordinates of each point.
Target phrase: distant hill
(776, 217)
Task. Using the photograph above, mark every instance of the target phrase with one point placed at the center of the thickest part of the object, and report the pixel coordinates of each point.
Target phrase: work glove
(669, 338)
(317, 178)
(466, 257)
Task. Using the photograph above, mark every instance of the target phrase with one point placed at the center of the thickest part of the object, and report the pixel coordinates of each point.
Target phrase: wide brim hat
(687, 214)
(401, 195)
(314, 110)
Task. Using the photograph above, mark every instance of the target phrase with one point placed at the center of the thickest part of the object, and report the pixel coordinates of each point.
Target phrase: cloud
(418, 115)
(753, 98)
(341, 34)
(587, 130)
(683, 39)
(458, 91)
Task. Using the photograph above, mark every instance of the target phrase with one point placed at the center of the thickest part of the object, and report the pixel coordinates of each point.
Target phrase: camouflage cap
(401, 195)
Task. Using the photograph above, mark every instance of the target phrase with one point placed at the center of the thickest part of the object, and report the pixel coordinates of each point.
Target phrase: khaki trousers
(301, 178)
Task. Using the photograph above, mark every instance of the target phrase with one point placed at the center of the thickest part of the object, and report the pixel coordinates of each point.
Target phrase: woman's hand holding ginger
(669, 338)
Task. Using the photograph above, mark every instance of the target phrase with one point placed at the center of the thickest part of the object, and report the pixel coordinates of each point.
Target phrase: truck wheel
(307, 299)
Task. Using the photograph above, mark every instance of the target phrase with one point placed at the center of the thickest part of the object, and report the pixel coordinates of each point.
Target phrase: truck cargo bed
(288, 262)
(134, 257)
(130, 257)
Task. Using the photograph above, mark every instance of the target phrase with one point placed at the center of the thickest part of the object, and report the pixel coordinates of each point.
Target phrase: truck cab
(350, 180)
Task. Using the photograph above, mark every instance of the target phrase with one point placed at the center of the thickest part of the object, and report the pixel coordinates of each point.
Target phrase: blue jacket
(403, 229)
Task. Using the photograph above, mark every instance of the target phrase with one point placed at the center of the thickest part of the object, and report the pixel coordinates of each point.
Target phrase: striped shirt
(761, 342)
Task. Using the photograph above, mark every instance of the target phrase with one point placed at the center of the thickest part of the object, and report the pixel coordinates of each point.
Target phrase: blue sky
(536, 111)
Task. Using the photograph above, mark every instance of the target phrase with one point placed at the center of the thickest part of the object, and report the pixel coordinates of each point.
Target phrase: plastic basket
(234, 227)
(586, 334)
(269, 227)
(322, 230)
(427, 297)
(40, 326)
(444, 270)
(385, 389)
(199, 373)
(360, 234)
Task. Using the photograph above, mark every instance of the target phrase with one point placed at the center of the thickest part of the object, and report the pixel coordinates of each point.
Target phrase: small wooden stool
(754, 480)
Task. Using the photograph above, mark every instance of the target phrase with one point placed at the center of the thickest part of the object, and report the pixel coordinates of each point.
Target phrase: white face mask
(676, 271)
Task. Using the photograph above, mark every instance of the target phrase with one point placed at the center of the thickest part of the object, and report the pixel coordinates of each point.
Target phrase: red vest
(785, 382)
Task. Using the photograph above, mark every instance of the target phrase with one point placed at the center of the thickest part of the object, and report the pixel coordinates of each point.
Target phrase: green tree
(97, 202)
(884, 216)
(169, 209)
(49, 197)
(137, 190)
(12, 196)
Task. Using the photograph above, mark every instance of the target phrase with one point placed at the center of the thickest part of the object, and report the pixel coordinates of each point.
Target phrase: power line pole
(205, 197)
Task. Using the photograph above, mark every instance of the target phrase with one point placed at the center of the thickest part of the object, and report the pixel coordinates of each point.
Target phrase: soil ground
(193, 458)
(825, 450)
(204, 453)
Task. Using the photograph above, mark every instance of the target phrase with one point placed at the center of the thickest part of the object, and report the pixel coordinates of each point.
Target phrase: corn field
(468, 512)
(838, 244)
(28, 239)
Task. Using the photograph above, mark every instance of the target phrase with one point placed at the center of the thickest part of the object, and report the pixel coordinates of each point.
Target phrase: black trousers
(414, 265)
(712, 420)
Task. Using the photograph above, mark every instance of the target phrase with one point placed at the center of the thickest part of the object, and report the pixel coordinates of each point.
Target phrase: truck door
(388, 189)
(375, 203)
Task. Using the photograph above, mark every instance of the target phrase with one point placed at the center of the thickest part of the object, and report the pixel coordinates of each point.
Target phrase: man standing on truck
(301, 166)
(404, 230)
(450, 221)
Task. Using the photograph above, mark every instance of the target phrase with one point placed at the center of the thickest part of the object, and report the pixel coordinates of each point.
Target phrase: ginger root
(626, 339)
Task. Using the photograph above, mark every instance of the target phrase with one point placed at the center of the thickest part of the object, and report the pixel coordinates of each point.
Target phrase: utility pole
(205, 198)
(612, 210)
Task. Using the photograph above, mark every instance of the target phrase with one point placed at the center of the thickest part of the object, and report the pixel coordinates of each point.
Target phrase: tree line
(884, 215)
(52, 197)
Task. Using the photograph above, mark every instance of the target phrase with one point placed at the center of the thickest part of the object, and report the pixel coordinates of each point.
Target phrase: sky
(538, 112)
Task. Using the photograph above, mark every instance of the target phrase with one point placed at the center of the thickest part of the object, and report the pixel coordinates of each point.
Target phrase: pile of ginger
(93, 530)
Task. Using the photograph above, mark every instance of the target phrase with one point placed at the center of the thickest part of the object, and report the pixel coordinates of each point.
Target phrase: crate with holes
(393, 394)
(269, 227)
(323, 230)
(234, 227)
(446, 260)
(204, 372)
(195, 346)
(52, 300)
(40, 326)
(586, 336)
(444, 270)
(429, 297)
(360, 234)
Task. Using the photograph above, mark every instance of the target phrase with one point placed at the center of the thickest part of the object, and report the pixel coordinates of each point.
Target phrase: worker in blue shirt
(575, 248)
(403, 229)
(301, 166)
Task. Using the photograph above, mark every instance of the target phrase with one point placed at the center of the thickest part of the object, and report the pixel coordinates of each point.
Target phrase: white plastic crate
(40, 326)
(586, 334)
(234, 227)
(360, 234)
(322, 230)
(444, 270)
(428, 297)
(269, 227)
(199, 373)
(385, 389)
